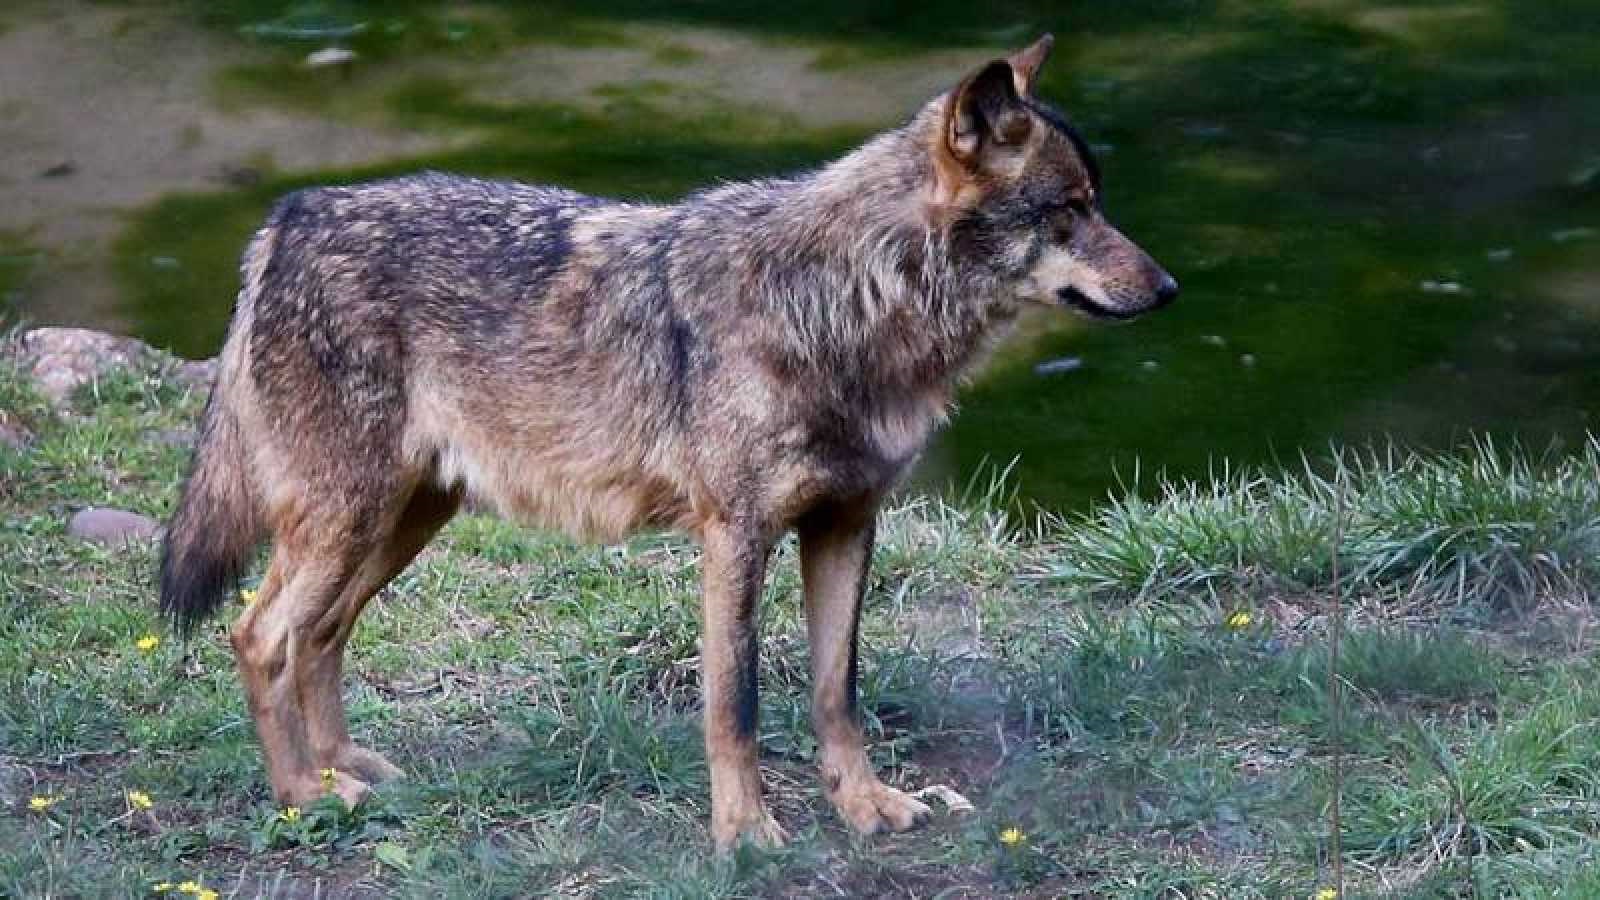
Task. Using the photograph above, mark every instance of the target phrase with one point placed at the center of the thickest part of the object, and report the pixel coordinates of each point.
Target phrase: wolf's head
(1020, 192)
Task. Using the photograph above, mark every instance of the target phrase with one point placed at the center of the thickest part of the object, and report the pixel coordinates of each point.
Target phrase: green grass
(1074, 680)
(1487, 525)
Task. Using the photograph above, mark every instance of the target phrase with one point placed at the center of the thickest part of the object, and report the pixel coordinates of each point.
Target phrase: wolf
(756, 359)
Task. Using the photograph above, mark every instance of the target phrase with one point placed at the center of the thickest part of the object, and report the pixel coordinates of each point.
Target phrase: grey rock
(196, 374)
(60, 360)
(112, 527)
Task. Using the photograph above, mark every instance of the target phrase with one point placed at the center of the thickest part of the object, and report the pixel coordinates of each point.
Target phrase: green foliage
(1485, 526)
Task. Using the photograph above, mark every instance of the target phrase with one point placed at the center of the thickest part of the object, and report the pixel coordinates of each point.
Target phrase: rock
(196, 374)
(112, 527)
(1443, 287)
(341, 57)
(60, 360)
(1059, 366)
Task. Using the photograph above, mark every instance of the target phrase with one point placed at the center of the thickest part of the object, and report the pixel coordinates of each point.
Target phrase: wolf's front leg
(835, 549)
(735, 566)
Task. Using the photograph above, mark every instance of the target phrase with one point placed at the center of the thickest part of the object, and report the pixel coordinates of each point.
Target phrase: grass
(1087, 682)
(1485, 525)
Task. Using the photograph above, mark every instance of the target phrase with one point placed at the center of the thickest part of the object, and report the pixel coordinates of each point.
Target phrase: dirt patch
(106, 110)
(714, 69)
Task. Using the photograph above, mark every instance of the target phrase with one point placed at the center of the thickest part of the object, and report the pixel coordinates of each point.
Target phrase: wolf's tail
(217, 526)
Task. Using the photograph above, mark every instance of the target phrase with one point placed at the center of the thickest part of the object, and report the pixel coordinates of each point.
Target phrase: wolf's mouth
(1072, 298)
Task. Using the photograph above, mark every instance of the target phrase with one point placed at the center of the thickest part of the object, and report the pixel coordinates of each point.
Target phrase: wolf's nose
(1167, 290)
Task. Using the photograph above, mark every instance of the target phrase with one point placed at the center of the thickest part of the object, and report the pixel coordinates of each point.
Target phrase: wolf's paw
(350, 789)
(758, 829)
(872, 807)
(308, 790)
(368, 765)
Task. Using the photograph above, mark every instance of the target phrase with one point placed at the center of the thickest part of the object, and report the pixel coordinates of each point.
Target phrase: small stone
(112, 527)
(1248, 360)
(1215, 340)
(1149, 365)
(1563, 235)
(1498, 254)
(1059, 366)
(330, 56)
(196, 374)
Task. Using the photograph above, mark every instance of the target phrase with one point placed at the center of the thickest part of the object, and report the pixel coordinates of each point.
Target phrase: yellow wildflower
(40, 804)
(1239, 620)
(161, 887)
(1012, 836)
(290, 814)
(328, 776)
(147, 643)
(206, 894)
(247, 596)
(1327, 894)
(140, 800)
(189, 887)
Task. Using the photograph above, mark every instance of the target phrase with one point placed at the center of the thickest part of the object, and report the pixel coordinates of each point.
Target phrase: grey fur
(757, 357)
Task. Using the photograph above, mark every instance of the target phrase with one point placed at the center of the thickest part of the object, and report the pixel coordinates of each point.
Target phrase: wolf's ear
(1026, 63)
(985, 117)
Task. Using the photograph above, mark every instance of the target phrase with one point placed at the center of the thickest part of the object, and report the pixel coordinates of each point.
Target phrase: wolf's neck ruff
(858, 268)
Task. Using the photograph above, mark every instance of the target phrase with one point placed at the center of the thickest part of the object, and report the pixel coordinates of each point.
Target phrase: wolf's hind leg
(312, 562)
(427, 510)
(835, 548)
